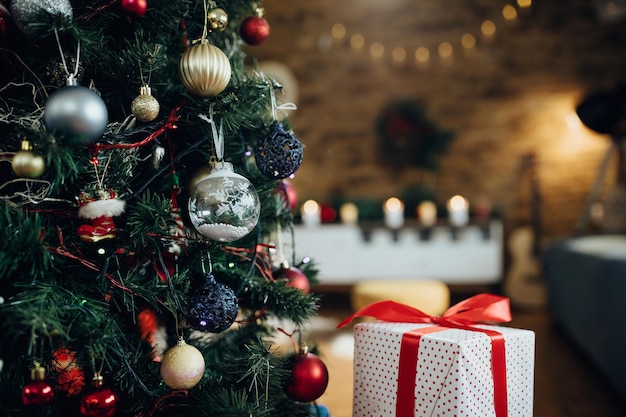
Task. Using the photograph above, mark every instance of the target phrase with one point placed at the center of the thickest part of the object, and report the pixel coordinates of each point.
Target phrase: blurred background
(484, 83)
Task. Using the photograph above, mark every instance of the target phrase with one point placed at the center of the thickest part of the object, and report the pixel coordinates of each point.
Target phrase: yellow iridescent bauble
(204, 69)
(182, 366)
(26, 163)
(145, 107)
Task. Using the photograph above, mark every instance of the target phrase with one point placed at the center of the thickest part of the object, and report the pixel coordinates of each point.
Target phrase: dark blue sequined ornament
(212, 307)
(279, 154)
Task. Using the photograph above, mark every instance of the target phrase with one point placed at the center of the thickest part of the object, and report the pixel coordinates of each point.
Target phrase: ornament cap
(26, 146)
(304, 349)
(221, 166)
(38, 373)
(145, 90)
(97, 380)
(181, 341)
(71, 81)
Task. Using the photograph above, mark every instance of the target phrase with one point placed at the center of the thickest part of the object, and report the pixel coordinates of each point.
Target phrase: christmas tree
(144, 203)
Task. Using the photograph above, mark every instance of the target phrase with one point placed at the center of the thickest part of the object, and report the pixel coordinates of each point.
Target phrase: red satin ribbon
(482, 308)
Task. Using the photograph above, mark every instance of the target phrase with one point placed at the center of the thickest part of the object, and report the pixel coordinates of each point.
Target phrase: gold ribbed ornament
(204, 69)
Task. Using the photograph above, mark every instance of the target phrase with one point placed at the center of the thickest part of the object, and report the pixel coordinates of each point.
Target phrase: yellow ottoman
(430, 296)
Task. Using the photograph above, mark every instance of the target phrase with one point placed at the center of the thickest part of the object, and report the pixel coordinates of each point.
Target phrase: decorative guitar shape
(524, 282)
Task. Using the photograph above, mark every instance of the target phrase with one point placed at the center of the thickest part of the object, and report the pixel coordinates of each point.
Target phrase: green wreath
(407, 137)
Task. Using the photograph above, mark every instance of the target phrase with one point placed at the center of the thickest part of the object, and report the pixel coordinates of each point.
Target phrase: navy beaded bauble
(213, 307)
(279, 154)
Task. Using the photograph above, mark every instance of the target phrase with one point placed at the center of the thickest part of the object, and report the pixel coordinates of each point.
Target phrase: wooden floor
(566, 383)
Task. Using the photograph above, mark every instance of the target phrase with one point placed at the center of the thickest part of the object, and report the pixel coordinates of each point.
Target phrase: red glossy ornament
(100, 402)
(37, 392)
(254, 30)
(136, 7)
(309, 378)
(295, 278)
(289, 194)
(5, 18)
(70, 378)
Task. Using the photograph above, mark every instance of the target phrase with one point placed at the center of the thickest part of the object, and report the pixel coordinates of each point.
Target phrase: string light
(445, 49)
(468, 41)
(422, 54)
(357, 41)
(509, 12)
(338, 31)
(377, 50)
(488, 28)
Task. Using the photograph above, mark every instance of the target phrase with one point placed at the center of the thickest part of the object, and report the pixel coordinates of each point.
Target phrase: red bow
(481, 308)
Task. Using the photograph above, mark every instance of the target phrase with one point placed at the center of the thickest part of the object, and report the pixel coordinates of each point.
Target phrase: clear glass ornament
(224, 206)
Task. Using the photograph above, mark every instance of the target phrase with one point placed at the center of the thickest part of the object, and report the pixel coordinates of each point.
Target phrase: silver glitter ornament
(77, 112)
(32, 16)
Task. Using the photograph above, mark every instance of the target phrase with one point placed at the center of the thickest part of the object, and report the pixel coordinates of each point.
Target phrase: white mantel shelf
(343, 255)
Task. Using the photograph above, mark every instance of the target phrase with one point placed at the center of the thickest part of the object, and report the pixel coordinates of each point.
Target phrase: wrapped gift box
(452, 374)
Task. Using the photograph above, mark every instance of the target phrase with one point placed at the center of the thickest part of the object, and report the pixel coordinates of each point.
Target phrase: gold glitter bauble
(145, 107)
(26, 163)
(182, 366)
(218, 19)
(204, 69)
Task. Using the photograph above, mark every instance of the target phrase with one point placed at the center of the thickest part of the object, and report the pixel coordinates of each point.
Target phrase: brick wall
(514, 92)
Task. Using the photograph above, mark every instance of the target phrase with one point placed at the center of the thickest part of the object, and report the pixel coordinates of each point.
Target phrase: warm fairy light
(458, 211)
(422, 54)
(349, 213)
(445, 49)
(357, 41)
(427, 213)
(488, 28)
(394, 212)
(377, 50)
(393, 204)
(524, 3)
(311, 213)
(310, 207)
(398, 54)
(457, 202)
(338, 31)
(468, 41)
(509, 12)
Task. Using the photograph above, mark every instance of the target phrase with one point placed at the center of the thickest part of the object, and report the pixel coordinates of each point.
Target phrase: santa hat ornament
(100, 211)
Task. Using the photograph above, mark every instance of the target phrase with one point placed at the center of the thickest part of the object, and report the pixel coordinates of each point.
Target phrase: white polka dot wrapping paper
(453, 375)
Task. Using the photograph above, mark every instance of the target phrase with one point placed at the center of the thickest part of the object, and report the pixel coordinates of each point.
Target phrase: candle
(394, 213)
(349, 213)
(427, 213)
(458, 211)
(311, 213)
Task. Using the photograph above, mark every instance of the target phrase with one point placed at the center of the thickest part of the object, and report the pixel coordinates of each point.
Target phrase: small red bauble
(309, 378)
(289, 194)
(254, 30)
(295, 278)
(37, 393)
(136, 7)
(70, 378)
(100, 402)
(5, 18)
